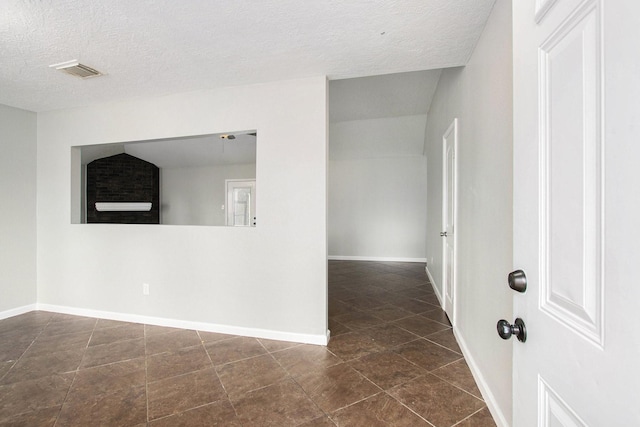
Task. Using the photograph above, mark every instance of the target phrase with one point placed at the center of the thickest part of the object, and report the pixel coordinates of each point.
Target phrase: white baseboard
(488, 396)
(17, 311)
(373, 258)
(186, 324)
(435, 288)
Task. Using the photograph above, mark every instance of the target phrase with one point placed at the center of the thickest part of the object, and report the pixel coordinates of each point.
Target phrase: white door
(449, 145)
(241, 202)
(577, 211)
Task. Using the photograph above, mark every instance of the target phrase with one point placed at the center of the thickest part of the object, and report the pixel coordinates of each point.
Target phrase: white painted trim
(451, 132)
(228, 197)
(185, 324)
(435, 288)
(489, 398)
(373, 258)
(552, 405)
(542, 7)
(17, 311)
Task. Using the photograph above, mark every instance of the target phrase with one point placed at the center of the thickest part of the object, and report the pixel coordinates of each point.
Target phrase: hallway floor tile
(392, 361)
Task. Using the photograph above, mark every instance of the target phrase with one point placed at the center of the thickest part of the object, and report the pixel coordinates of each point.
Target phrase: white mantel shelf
(123, 206)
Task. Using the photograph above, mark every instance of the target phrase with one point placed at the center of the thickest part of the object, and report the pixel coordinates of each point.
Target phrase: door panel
(575, 211)
(571, 174)
(553, 411)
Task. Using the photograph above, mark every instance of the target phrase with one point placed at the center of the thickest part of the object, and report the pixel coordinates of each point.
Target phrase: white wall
(377, 188)
(269, 278)
(194, 196)
(18, 212)
(480, 95)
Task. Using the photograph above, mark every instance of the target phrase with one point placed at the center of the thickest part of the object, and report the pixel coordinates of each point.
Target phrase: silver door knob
(443, 234)
(518, 281)
(505, 329)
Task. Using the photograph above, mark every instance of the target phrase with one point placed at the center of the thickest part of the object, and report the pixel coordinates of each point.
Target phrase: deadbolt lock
(518, 281)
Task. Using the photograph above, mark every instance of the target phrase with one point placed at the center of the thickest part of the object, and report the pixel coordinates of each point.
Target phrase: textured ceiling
(157, 47)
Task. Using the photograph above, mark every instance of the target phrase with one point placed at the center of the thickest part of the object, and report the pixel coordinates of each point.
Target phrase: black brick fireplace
(123, 178)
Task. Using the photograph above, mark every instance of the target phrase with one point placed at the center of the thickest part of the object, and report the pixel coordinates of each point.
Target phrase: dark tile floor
(392, 361)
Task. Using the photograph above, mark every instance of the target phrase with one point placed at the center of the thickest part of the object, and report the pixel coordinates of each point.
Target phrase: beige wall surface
(18, 211)
(480, 96)
(269, 280)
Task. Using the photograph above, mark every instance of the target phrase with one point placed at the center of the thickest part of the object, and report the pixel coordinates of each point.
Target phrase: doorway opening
(241, 202)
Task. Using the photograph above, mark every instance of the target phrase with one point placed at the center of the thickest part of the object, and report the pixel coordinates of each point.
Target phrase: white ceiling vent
(76, 69)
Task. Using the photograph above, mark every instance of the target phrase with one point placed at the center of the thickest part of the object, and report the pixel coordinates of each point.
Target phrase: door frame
(226, 198)
(450, 137)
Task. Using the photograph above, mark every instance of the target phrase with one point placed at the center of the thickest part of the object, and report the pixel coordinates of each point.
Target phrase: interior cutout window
(176, 181)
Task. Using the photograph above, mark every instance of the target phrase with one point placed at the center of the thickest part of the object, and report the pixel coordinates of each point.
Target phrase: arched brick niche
(123, 178)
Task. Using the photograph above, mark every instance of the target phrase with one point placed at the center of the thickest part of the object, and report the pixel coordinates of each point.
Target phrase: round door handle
(518, 281)
(506, 330)
(443, 234)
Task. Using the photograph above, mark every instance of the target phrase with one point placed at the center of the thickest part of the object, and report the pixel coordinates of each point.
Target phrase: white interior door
(576, 210)
(241, 203)
(449, 145)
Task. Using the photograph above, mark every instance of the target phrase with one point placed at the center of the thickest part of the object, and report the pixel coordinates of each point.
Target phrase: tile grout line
(411, 410)
(288, 376)
(146, 371)
(358, 401)
(75, 374)
(292, 378)
(26, 349)
(443, 346)
(471, 415)
(457, 386)
(431, 372)
(215, 370)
